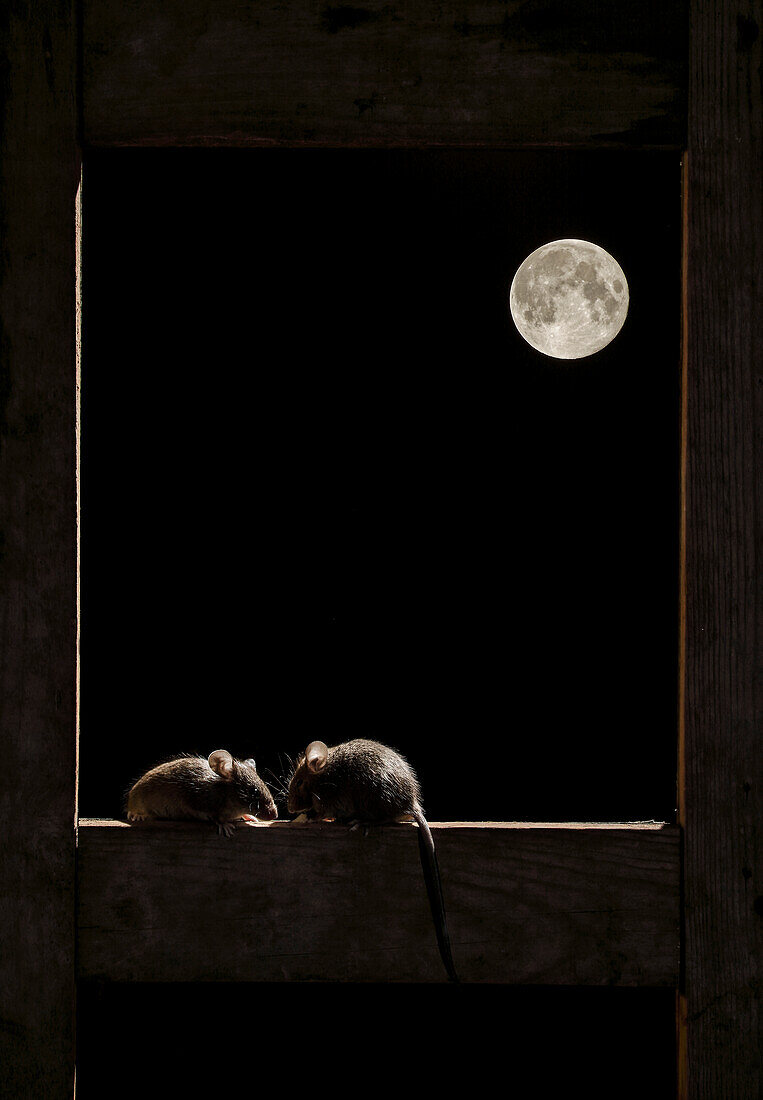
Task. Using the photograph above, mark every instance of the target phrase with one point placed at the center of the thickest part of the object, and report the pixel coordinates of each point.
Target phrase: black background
(370, 1040)
(329, 491)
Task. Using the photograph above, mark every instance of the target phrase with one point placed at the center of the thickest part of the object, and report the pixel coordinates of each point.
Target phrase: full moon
(569, 299)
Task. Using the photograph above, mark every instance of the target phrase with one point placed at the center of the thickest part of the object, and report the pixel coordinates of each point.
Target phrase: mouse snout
(267, 812)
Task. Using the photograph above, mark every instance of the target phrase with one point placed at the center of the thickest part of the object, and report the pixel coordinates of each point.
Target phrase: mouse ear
(221, 762)
(316, 756)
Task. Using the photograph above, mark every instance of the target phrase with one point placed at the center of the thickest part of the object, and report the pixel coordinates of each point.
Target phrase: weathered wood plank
(190, 72)
(721, 802)
(39, 177)
(539, 904)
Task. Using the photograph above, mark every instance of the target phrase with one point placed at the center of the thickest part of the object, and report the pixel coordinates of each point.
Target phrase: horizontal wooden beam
(187, 72)
(527, 904)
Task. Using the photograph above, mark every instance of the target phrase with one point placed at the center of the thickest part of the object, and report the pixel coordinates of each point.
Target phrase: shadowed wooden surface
(564, 905)
(39, 176)
(533, 904)
(191, 72)
(721, 799)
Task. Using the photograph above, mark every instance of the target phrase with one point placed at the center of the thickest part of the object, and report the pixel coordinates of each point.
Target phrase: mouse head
(309, 767)
(245, 784)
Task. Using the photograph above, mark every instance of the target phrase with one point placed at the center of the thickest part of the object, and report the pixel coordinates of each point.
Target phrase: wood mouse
(219, 789)
(364, 782)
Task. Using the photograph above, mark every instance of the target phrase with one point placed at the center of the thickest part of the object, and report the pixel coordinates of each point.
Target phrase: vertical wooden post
(39, 178)
(720, 789)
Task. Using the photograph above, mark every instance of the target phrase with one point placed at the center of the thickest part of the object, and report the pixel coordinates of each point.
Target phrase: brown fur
(188, 788)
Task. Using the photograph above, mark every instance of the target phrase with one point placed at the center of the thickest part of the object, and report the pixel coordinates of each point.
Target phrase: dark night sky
(329, 491)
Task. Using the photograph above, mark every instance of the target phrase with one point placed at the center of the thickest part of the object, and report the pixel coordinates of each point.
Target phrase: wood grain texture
(195, 72)
(720, 754)
(39, 176)
(536, 904)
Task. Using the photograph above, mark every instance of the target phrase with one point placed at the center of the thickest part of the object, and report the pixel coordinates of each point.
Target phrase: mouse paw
(137, 818)
(355, 825)
(226, 828)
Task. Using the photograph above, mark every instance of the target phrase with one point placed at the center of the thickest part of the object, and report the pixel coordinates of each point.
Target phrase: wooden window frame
(675, 905)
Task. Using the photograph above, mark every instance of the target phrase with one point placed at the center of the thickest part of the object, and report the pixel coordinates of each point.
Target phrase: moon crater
(569, 298)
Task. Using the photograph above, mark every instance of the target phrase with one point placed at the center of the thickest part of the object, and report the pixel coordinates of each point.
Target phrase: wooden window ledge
(528, 903)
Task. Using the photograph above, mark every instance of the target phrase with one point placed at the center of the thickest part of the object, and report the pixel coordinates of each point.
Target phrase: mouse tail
(431, 870)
